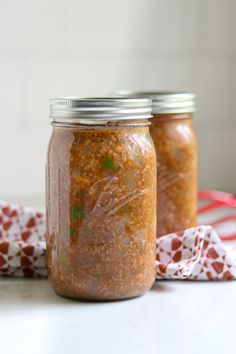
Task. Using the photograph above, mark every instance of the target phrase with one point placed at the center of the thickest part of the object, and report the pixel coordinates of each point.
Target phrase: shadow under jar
(101, 198)
(174, 139)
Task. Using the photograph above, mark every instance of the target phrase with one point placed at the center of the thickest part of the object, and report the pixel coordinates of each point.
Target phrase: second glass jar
(174, 139)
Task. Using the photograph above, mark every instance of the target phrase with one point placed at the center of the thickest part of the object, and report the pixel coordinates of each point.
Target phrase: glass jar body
(175, 144)
(101, 211)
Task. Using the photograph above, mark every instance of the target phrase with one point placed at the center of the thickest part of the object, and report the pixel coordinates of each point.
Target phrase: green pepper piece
(108, 163)
(71, 231)
(77, 212)
(126, 209)
(95, 276)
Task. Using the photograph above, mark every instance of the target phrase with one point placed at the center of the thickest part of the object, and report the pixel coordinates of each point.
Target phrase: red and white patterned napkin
(22, 241)
(196, 253)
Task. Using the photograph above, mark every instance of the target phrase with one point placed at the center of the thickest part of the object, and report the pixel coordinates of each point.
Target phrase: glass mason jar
(101, 198)
(174, 139)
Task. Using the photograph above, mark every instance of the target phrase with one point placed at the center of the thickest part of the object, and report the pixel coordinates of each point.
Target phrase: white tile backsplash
(209, 79)
(23, 155)
(32, 24)
(64, 76)
(52, 48)
(232, 93)
(221, 29)
(13, 92)
(131, 24)
(218, 161)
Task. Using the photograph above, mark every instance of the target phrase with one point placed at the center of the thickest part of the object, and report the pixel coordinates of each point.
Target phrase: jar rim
(165, 101)
(103, 109)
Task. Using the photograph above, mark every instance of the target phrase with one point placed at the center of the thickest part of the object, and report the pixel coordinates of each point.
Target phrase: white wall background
(54, 48)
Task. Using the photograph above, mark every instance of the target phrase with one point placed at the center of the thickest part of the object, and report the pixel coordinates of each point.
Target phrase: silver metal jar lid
(99, 109)
(166, 102)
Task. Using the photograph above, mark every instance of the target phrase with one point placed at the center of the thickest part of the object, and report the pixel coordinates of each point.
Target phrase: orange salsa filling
(175, 144)
(101, 208)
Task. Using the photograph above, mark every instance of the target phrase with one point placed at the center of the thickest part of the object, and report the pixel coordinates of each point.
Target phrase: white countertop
(174, 317)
